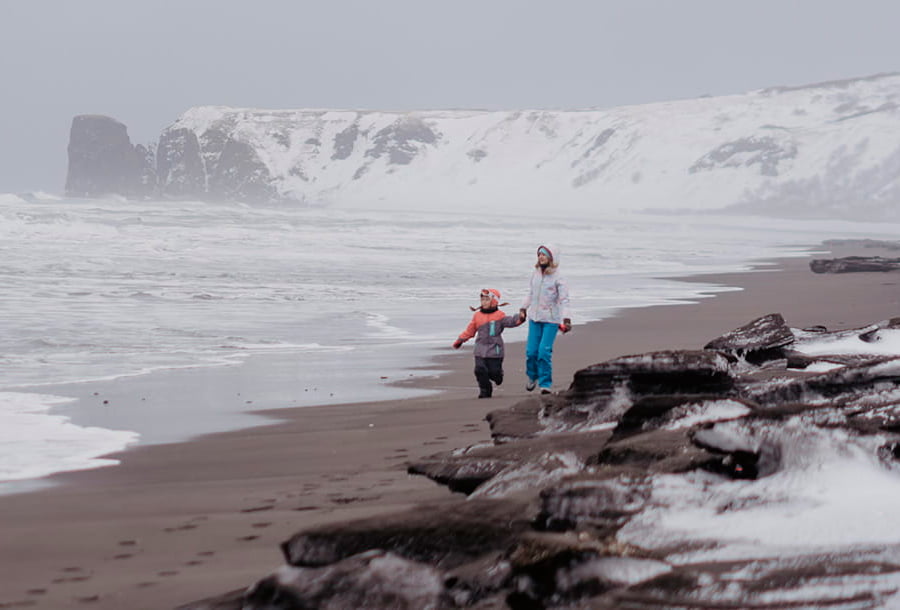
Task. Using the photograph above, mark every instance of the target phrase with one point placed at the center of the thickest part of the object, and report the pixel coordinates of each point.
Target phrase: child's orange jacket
(487, 327)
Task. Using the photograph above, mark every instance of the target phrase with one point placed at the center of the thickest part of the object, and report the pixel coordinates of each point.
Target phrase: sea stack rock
(212, 165)
(103, 161)
(179, 166)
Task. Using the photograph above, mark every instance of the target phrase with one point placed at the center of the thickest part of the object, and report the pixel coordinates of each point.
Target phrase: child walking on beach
(487, 326)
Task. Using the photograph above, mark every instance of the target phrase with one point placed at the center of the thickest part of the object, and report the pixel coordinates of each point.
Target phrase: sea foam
(37, 443)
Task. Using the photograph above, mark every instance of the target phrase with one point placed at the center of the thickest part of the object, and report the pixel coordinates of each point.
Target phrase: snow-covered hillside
(829, 149)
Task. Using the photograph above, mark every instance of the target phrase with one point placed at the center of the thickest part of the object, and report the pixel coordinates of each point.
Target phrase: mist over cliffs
(823, 150)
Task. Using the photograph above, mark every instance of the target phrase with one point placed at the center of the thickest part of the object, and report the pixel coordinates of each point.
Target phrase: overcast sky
(144, 63)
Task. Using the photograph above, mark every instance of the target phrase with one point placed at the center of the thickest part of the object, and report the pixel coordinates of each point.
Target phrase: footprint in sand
(123, 556)
(35, 592)
(304, 508)
(167, 573)
(127, 542)
(59, 581)
(353, 499)
(72, 570)
(206, 553)
(399, 454)
(261, 525)
(260, 500)
(257, 509)
(146, 583)
(181, 528)
(193, 562)
(88, 599)
(247, 538)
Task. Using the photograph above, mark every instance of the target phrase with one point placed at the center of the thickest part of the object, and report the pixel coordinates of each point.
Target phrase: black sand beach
(179, 522)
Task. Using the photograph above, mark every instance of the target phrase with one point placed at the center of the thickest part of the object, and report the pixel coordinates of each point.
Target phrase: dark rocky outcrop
(181, 170)
(356, 582)
(464, 471)
(664, 372)
(758, 341)
(444, 536)
(764, 152)
(817, 582)
(854, 264)
(659, 451)
(344, 141)
(741, 458)
(240, 176)
(103, 161)
(590, 500)
(847, 383)
(548, 501)
(518, 422)
(401, 141)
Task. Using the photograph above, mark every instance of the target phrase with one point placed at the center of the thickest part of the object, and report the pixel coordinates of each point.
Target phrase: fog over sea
(128, 322)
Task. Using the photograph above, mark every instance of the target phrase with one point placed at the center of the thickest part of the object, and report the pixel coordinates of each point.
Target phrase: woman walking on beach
(547, 308)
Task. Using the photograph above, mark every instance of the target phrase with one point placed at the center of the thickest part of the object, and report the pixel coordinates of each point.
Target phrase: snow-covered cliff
(829, 149)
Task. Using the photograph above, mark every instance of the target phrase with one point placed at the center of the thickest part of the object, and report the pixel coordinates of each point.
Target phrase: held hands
(566, 325)
(457, 344)
(522, 315)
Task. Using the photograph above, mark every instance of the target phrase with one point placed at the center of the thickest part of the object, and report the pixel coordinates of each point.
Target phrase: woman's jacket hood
(554, 252)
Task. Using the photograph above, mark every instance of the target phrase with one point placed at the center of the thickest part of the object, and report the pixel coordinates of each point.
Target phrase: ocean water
(233, 308)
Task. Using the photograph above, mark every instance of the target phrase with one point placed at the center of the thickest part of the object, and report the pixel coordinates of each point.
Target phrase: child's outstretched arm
(514, 320)
(466, 334)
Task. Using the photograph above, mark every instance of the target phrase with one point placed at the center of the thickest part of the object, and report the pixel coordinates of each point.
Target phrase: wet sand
(179, 522)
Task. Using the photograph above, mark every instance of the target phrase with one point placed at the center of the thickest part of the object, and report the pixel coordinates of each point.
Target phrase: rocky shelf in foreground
(758, 472)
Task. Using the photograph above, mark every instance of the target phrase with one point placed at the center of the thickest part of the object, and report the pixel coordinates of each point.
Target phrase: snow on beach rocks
(740, 476)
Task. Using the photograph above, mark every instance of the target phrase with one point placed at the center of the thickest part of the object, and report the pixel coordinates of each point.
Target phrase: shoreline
(179, 522)
(177, 404)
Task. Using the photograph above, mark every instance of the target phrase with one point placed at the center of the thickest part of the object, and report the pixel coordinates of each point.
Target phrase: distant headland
(826, 150)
